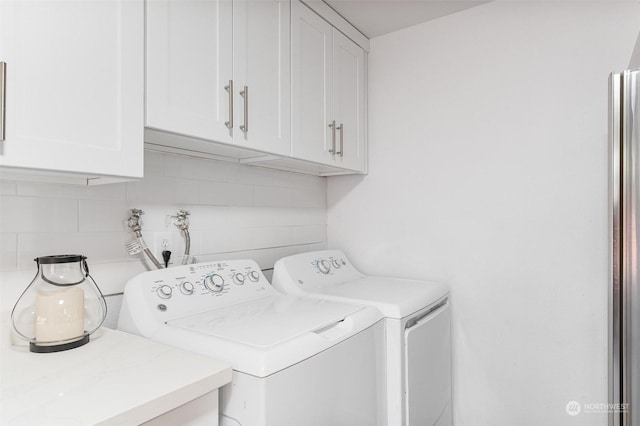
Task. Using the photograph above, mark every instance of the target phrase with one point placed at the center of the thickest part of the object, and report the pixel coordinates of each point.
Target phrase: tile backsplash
(236, 211)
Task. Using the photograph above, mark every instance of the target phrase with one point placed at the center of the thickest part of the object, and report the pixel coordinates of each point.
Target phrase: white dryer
(417, 325)
(296, 361)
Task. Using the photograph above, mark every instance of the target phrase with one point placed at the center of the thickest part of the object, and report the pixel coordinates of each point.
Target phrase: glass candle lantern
(61, 307)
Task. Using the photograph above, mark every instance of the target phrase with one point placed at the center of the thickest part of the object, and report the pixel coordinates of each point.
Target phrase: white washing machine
(417, 325)
(296, 360)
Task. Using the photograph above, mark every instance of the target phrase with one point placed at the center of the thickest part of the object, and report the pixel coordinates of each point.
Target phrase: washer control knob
(336, 263)
(164, 291)
(254, 276)
(214, 283)
(324, 266)
(238, 278)
(187, 288)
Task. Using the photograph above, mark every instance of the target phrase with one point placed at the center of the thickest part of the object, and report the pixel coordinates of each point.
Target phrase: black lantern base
(45, 349)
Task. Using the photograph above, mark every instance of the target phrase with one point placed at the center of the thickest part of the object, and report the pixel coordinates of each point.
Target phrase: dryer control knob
(187, 288)
(254, 276)
(336, 263)
(214, 283)
(238, 278)
(164, 291)
(324, 266)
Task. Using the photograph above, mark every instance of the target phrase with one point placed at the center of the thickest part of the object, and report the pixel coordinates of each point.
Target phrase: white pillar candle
(60, 315)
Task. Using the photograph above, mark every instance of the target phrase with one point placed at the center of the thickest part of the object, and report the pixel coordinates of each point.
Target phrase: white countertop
(115, 379)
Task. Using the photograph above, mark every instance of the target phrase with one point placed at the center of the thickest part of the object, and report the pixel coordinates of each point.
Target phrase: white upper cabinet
(262, 75)
(219, 71)
(328, 92)
(312, 85)
(73, 87)
(349, 103)
(264, 82)
(189, 68)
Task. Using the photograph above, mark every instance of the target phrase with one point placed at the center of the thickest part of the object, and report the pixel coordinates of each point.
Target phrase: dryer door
(427, 367)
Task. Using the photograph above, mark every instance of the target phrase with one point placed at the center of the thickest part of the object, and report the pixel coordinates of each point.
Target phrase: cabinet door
(74, 85)
(189, 44)
(312, 85)
(261, 62)
(348, 102)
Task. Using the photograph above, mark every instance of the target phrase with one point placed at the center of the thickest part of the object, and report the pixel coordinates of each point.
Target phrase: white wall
(488, 171)
(634, 64)
(237, 211)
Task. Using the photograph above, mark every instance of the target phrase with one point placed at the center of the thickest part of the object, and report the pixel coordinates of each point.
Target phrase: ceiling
(377, 17)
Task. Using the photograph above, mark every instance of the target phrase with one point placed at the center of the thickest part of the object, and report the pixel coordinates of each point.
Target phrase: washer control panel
(213, 283)
(164, 292)
(307, 271)
(187, 289)
(323, 265)
(329, 265)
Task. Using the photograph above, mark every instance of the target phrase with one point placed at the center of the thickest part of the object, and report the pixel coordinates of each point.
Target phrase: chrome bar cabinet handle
(245, 94)
(341, 128)
(333, 137)
(229, 89)
(3, 98)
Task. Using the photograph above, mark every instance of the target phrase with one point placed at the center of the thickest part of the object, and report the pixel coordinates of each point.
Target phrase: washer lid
(267, 322)
(394, 297)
